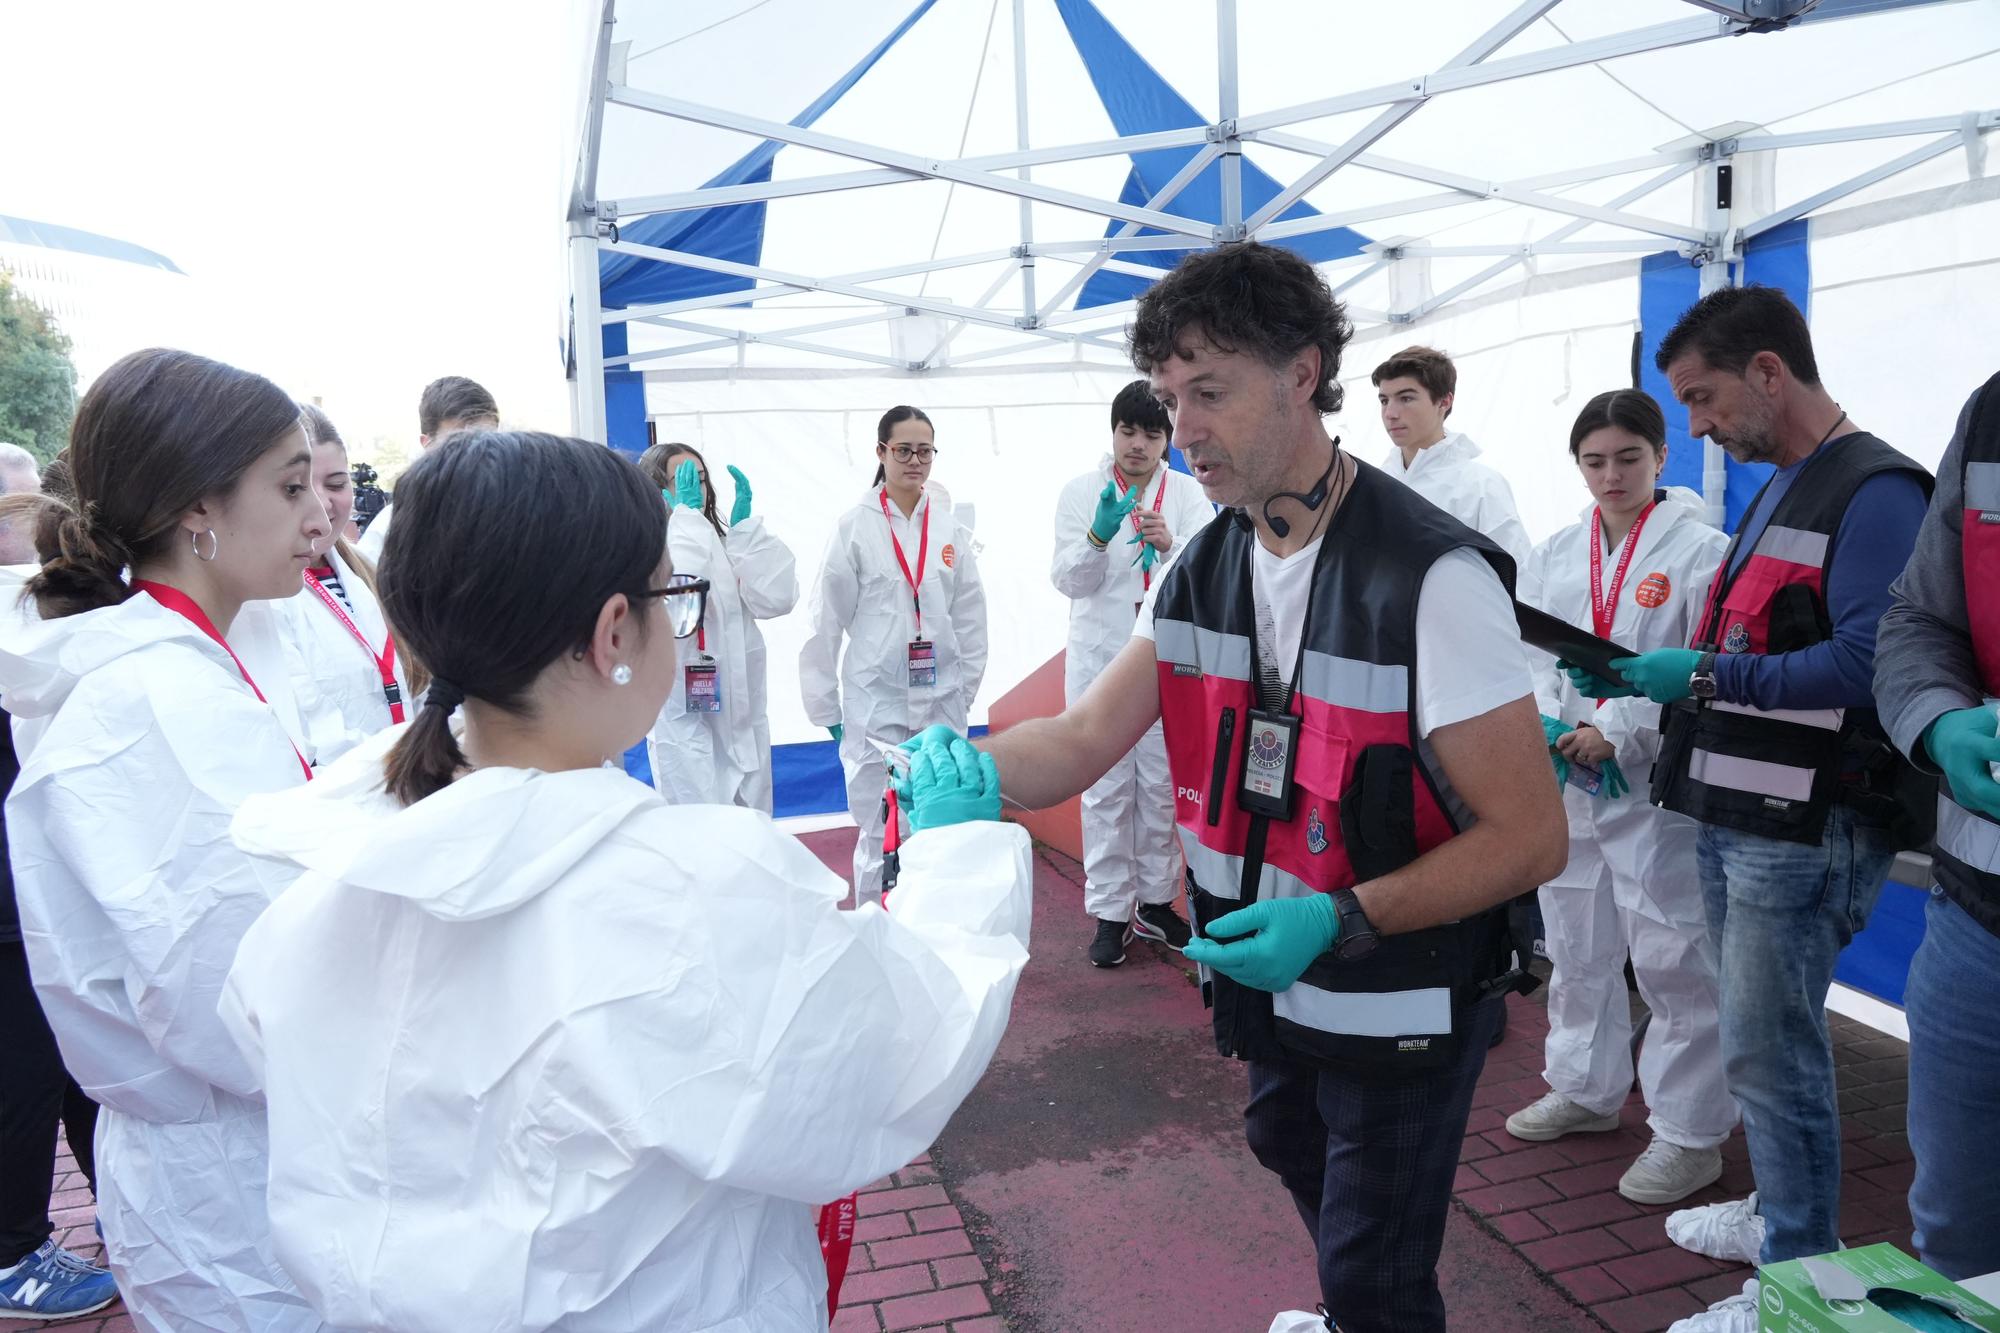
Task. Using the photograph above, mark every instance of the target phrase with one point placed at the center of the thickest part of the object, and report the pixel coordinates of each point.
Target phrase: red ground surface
(1097, 1179)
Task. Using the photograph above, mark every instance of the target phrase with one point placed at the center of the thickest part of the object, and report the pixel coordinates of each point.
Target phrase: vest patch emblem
(1315, 832)
(1186, 669)
(1267, 751)
(1653, 591)
(1738, 640)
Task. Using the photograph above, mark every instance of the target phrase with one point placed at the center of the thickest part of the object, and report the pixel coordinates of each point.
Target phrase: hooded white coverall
(767, 579)
(1130, 855)
(607, 1056)
(139, 740)
(704, 758)
(1450, 475)
(1631, 886)
(863, 598)
(334, 679)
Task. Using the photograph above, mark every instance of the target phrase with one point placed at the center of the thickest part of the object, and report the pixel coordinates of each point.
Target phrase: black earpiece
(1311, 499)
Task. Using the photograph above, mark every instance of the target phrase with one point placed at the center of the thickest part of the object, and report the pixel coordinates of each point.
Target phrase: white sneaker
(1300, 1321)
(1738, 1314)
(1732, 1232)
(1668, 1173)
(1554, 1116)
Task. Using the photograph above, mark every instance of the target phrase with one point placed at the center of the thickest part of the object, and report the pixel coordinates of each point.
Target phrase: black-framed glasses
(686, 599)
(905, 452)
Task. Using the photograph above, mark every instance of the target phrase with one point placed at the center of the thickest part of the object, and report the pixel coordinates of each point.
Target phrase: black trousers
(36, 1093)
(1369, 1159)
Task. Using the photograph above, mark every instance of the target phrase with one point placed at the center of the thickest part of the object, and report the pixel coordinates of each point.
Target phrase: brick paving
(913, 1265)
(1558, 1204)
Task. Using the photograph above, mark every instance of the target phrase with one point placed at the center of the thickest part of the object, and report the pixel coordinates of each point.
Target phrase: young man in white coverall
(1131, 865)
(1415, 389)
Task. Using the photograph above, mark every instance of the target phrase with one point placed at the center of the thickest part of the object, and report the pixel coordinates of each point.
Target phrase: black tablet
(1576, 646)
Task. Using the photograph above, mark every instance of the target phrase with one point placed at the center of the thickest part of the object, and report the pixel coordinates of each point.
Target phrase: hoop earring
(621, 674)
(214, 545)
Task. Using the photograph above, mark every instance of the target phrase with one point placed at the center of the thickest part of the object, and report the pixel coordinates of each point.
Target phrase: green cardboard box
(1792, 1302)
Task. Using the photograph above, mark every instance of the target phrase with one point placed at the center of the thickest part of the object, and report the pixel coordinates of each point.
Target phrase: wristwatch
(1357, 934)
(1702, 683)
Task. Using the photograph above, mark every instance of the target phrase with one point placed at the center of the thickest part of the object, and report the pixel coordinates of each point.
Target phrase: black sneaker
(1107, 948)
(1159, 921)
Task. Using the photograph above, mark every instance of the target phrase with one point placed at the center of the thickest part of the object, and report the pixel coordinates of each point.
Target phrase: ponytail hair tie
(443, 694)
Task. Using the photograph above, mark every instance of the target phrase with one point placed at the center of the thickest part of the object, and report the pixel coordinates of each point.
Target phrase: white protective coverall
(335, 681)
(1130, 855)
(767, 579)
(139, 740)
(863, 597)
(704, 758)
(1631, 885)
(372, 540)
(607, 1056)
(1450, 475)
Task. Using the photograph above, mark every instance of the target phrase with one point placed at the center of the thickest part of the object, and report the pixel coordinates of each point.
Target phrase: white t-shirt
(1469, 655)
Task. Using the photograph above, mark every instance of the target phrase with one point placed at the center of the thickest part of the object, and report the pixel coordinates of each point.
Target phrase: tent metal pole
(766, 292)
(583, 196)
(1717, 272)
(587, 322)
(1228, 94)
(888, 157)
(1027, 173)
(944, 341)
(1855, 184)
(1180, 181)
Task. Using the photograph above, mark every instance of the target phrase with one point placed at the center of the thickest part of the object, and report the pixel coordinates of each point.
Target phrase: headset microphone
(1311, 499)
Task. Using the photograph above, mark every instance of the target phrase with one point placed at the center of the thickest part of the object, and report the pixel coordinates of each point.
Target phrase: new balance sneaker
(52, 1283)
(1554, 1116)
(1737, 1314)
(1732, 1232)
(1668, 1173)
(1107, 947)
(1302, 1321)
(1159, 921)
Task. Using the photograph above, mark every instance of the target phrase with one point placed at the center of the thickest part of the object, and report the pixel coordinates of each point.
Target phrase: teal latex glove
(741, 509)
(1111, 511)
(949, 783)
(1149, 555)
(687, 484)
(1661, 675)
(838, 732)
(1591, 686)
(937, 738)
(1962, 743)
(1272, 942)
(1615, 785)
(1554, 730)
(1561, 761)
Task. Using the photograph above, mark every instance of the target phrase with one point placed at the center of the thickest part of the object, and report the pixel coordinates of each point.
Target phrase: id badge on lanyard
(704, 686)
(1270, 752)
(1585, 778)
(923, 664)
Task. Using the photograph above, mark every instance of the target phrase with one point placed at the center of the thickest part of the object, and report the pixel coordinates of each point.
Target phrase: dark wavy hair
(1731, 325)
(159, 432)
(485, 502)
(1259, 300)
(659, 465)
(1633, 410)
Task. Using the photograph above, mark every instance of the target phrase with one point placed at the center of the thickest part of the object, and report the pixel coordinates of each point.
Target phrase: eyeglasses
(905, 452)
(686, 598)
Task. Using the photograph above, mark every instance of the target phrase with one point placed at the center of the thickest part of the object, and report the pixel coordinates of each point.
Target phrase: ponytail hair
(1631, 410)
(583, 519)
(159, 432)
(891, 419)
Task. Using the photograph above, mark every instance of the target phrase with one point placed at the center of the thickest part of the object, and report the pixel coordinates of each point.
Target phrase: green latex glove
(1149, 555)
(1561, 761)
(1111, 511)
(838, 732)
(1553, 730)
(949, 783)
(1962, 743)
(1661, 675)
(1615, 786)
(741, 509)
(1272, 943)
(687, 484)
(1594, 687)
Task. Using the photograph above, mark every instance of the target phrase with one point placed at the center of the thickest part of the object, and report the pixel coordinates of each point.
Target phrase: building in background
(109, 296)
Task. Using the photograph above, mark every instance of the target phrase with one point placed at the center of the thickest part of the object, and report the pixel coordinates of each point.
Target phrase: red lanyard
(1159, 496)
(177, 601)
(923, 553)
(385, 661)
(1603, 610)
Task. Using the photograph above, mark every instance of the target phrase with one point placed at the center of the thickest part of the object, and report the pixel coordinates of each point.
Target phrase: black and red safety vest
(1777, 773)
(1358, 754)
(1967, 858)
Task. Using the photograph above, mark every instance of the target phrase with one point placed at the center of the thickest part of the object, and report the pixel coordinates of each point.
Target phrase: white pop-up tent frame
(1018, 302)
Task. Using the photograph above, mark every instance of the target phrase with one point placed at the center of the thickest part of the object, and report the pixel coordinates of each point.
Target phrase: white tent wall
(1007, 442)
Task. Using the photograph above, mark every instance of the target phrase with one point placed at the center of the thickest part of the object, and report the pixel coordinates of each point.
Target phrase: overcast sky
(367, 194)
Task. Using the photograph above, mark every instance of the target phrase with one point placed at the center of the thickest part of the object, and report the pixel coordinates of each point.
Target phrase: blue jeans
(1780, 913)
(1955, 1092)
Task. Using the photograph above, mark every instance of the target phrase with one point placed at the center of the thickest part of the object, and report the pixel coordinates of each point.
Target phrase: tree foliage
(37, 379)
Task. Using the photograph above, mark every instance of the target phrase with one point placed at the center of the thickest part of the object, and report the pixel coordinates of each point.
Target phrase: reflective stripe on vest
(1980, 543)
(1399, 1013)
(1761, 777)
(1211, 652)
(1971, 838)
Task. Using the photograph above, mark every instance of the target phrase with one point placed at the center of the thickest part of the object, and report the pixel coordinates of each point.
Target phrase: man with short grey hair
(19, 473)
